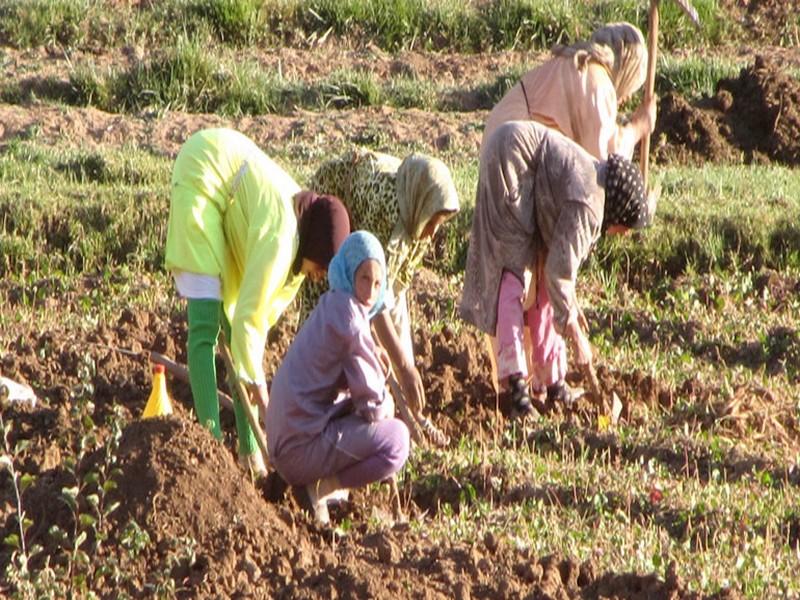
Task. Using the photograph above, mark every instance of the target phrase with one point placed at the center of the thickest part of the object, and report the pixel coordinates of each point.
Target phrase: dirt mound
(753, 117)
(178, 483)
(764, 115)
(689, 134)
(396, 562)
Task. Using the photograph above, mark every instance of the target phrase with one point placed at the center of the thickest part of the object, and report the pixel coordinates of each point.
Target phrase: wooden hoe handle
(241, 395)
(650, 84)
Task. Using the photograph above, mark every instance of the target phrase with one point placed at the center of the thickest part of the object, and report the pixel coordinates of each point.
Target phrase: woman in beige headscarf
(576, 92)
(579, 89)
(402, 203)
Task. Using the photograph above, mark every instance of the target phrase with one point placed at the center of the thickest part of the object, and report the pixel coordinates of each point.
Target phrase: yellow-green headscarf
(424, 188)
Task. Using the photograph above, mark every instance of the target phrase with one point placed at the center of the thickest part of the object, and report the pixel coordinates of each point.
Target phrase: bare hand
(645, 116)
(259, 396)
(411, 384)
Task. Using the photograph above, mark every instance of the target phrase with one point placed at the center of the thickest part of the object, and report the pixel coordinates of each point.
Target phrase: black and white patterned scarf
(626, 201)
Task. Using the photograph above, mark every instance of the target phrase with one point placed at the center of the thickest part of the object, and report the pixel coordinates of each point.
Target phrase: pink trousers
(547, 352)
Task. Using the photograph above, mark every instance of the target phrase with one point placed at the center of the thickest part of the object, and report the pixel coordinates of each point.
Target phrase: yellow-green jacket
(232, 216)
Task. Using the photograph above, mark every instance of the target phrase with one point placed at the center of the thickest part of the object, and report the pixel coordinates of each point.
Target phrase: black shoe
(520, 399)
(562, 393)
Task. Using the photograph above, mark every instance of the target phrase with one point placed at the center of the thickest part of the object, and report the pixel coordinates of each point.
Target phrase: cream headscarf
(424, 188)
(620, 48)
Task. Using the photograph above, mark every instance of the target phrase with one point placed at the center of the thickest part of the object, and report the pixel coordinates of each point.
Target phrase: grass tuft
(693, 77)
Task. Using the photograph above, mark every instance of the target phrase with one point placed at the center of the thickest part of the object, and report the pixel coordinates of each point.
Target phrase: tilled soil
(214, 533)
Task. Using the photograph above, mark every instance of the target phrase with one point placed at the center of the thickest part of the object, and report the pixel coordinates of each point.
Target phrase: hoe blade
(686, 6)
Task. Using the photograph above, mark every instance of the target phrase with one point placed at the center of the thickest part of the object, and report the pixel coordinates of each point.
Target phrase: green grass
(391, 24)
(694, 77)
(30, 23)
(714, 217)
(555, 497)
(190, 78)
(736, 219)
(67, 212)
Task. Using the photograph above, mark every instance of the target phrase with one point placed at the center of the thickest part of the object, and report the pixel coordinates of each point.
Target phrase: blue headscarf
(357, 247)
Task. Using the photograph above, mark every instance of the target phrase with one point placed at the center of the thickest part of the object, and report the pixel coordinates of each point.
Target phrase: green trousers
(205, 318)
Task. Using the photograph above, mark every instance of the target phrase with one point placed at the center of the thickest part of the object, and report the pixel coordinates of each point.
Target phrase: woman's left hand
(413, 390)
(260, 397)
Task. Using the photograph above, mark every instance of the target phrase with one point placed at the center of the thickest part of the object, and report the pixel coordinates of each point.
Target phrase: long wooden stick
(650, 84)
(241, 395)
(180, 371)
(400, 402)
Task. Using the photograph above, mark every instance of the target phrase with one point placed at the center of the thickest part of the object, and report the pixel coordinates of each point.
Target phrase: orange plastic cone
(158, 404)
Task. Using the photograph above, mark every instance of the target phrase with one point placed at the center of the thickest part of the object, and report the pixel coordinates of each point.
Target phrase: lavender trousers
(356, 451)
(548, 352)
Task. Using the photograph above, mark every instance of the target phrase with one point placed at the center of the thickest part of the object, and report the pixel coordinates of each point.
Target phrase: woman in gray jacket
(542, 203)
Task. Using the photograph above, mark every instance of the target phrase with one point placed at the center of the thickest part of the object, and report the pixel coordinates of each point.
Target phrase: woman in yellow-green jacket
(241, 239)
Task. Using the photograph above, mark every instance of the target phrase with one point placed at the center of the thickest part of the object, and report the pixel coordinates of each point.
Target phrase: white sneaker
(323, 491)
(254, 463)
(340, 495)
(319, 504)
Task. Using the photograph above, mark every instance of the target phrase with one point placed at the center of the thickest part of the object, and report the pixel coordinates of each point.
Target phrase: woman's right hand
(645, 117)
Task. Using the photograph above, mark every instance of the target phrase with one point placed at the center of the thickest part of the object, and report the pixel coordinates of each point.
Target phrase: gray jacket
(538, 192)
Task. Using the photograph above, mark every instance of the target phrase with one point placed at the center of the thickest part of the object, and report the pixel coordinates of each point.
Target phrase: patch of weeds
(18, 570)
(490, 93)
(676, 30)
(247, 90)
(119, 220)
(784, 244)
(693, 77)
(190, 78)
(92, 88)
(408, 92)
(181, 556)
(182, 78)
(36, 89)
(391, 24)
(350, 89)
(29, 23)
(239, 22)
(394, 24)
(533, 23)
(449, 253)
(86, 167)
(66, 567)
(371, 136)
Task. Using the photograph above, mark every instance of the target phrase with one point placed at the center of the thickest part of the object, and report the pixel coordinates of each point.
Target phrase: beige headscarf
(620, 48)
(424, 188)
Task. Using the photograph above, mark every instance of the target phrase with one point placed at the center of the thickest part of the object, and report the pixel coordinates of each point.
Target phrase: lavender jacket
(332, 352)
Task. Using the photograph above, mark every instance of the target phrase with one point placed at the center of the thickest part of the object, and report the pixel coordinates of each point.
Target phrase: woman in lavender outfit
(329, 422)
